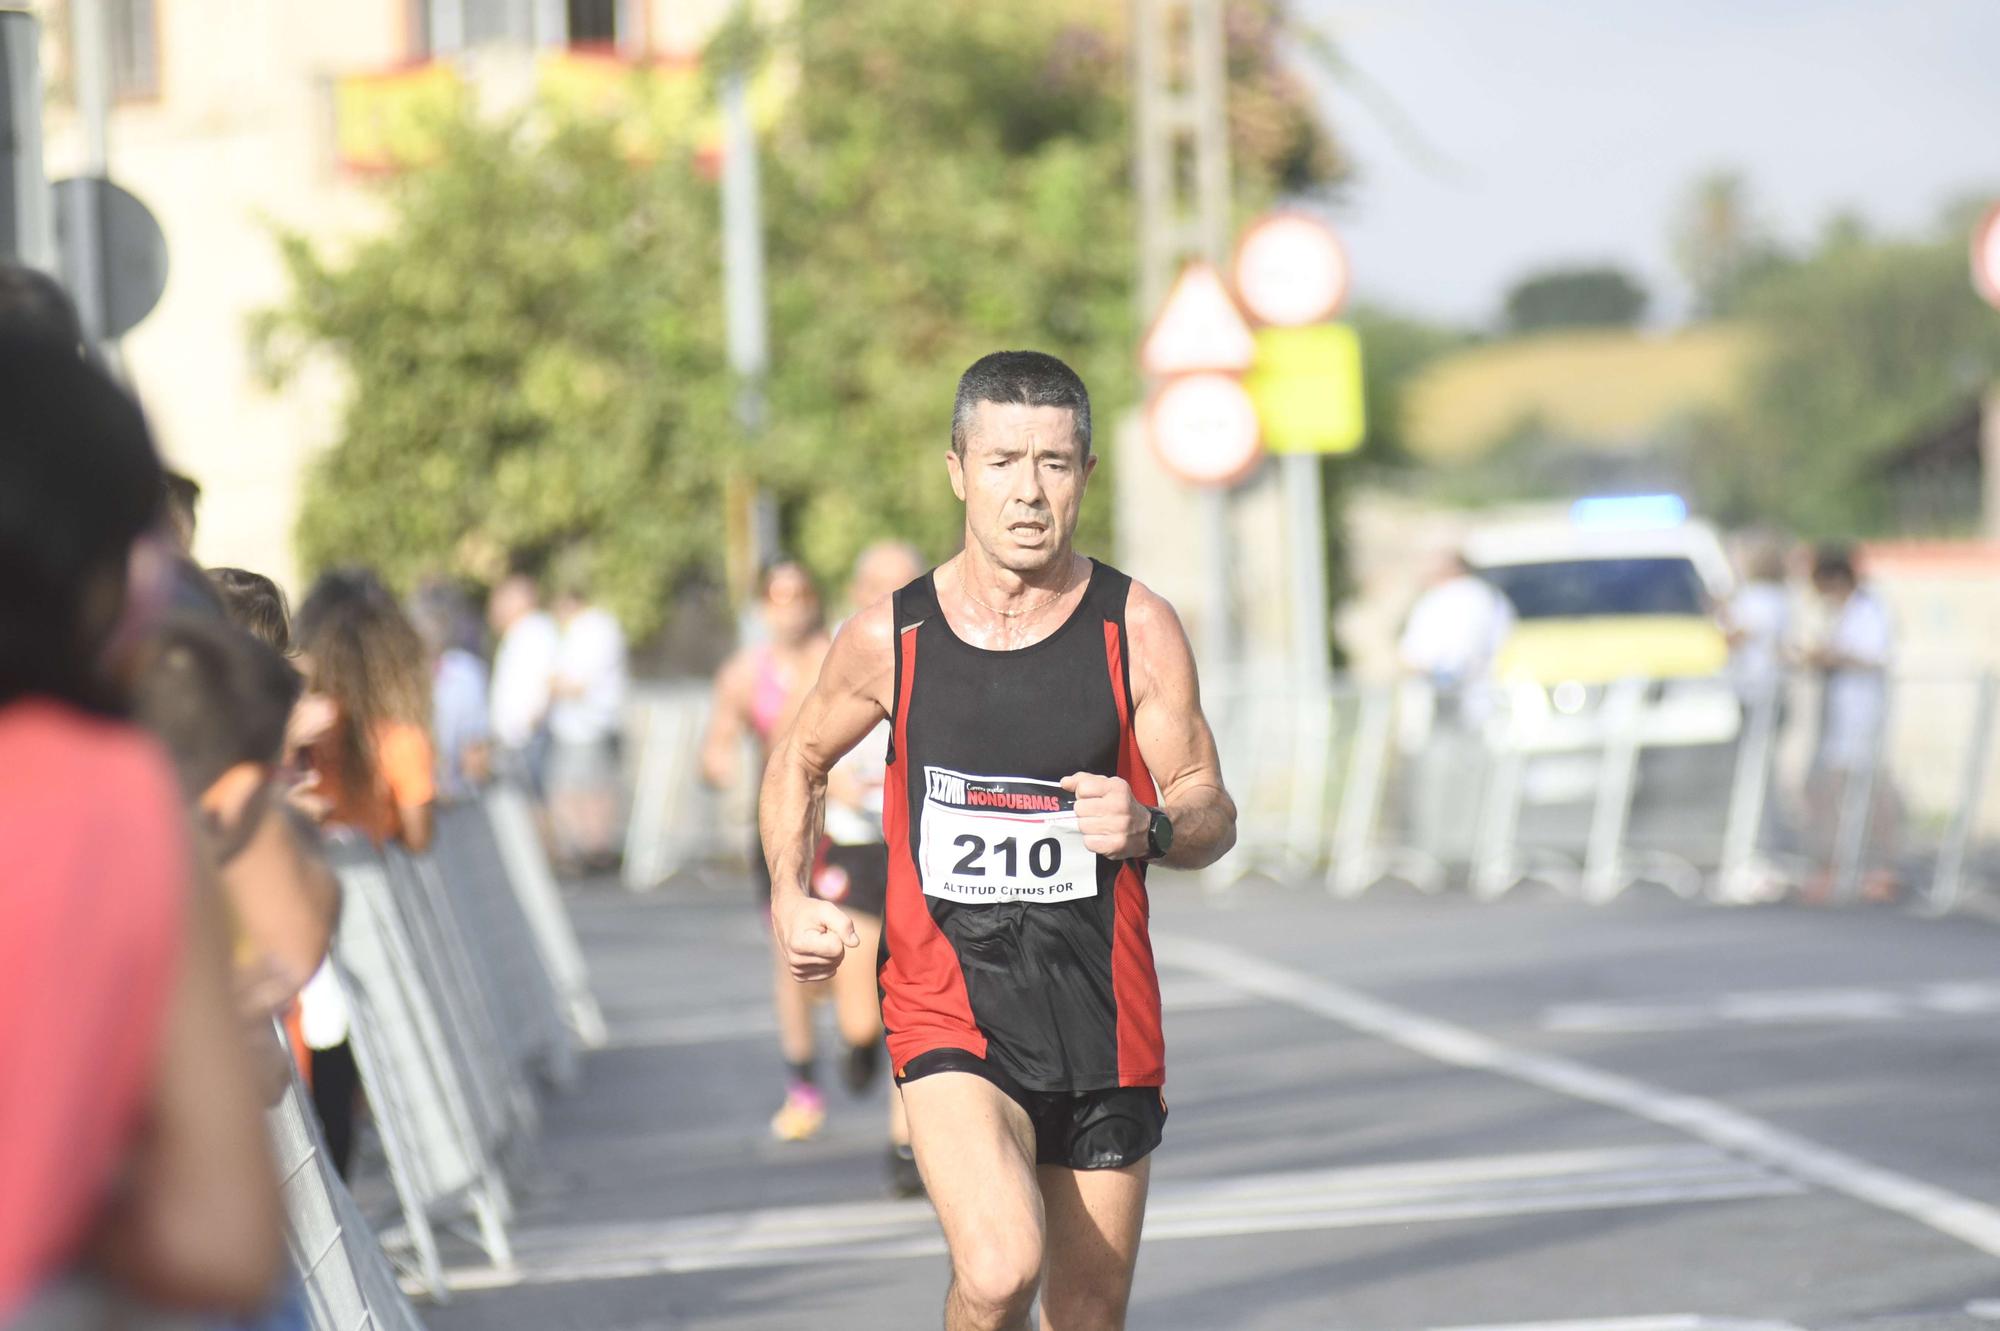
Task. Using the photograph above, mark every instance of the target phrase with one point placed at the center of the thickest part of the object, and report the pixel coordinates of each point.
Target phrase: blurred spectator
(586, 720)
(377, 775)
(1454, 634)
(460, 723)
(524, 667)
(1450, 646)
(256, 605)
(1758, 621)
(1852, 659)
(375, 762)
(183, 496)
(33, 305)
(130, 1138)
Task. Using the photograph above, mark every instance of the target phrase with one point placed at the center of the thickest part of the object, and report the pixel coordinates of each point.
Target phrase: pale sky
(1569, 129)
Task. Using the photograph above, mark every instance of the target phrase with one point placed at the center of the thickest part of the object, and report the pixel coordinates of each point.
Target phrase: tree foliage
(534, 367)
(533, 345)
(1575, 298)
(1865, 343)
(1721, 245)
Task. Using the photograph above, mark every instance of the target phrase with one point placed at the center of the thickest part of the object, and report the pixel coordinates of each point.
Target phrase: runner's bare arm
(852, 694)
(1176, 743)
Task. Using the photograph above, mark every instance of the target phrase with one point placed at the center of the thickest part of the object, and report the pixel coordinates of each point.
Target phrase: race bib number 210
(986, 839)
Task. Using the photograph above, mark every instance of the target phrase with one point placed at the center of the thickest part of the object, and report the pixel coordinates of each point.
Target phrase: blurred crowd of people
(176, 747)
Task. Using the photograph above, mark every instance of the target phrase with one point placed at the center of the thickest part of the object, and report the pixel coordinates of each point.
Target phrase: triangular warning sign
(1198, 328)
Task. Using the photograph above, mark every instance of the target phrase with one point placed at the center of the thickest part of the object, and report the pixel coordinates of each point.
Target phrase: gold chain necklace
(1068, 582)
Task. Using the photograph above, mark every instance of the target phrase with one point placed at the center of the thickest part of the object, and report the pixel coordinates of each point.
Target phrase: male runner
(1046, 742)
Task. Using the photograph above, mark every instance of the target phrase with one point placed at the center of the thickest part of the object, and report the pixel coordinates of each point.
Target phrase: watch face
(1163, 833)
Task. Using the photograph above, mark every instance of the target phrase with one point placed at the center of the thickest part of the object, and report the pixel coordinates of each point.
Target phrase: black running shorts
(1107, 1129)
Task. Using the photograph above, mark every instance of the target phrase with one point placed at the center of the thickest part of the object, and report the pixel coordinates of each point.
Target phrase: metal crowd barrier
(676, 820)
(440, 1163)
(347, 1282)
(1588, 789)
(512, 823)
(518, 986)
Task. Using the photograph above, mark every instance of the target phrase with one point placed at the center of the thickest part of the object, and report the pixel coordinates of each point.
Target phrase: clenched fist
(813, 935)
(1113, 823)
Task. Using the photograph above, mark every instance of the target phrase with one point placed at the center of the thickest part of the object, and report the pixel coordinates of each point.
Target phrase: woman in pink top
(756, 692)
(131, 1146)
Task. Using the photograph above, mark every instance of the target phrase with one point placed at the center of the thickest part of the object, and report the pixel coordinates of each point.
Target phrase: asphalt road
(1394, 1114)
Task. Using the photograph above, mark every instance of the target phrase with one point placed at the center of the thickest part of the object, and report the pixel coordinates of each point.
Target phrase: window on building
(132, 49)
(594, 22)
(445, 27)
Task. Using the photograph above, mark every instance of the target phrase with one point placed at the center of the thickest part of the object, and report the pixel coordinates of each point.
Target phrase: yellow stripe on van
(1600, 650)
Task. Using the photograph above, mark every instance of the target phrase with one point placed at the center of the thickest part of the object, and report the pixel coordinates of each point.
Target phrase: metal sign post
(26, 211)
(1180, 82)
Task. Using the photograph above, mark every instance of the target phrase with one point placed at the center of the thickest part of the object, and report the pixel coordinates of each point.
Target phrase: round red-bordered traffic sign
(1986, 257)
(1291, 270)
(1204, 429)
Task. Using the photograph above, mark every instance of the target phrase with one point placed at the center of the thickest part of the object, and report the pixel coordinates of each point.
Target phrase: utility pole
(1184, 213)
(82, 241)
(752, 525)
(27, 210)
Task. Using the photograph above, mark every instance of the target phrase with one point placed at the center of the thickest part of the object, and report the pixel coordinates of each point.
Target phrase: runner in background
(756, 692)
(854, 872)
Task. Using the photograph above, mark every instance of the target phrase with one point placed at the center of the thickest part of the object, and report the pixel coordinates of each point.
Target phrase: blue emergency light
(1628, 512)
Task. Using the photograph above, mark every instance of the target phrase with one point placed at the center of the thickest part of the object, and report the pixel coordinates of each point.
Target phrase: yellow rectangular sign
(1306, 383)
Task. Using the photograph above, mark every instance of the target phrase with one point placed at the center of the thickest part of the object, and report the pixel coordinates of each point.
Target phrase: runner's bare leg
(1093, 1218)
(976, 1151)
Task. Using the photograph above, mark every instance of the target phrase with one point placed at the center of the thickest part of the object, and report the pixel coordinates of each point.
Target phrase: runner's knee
(995, 1275)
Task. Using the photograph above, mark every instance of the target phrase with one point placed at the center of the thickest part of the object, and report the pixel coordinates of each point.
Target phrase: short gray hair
(1022, 378)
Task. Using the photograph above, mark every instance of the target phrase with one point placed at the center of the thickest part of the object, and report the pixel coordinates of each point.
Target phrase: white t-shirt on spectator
(1852, 707)
(1455, 631)
(523, 668)
(1761, 612)
(591, 656)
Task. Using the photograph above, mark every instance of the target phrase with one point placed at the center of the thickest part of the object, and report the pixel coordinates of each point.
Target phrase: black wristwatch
(1159, 834)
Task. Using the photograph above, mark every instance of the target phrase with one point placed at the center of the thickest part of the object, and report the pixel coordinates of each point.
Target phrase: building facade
(234, 119)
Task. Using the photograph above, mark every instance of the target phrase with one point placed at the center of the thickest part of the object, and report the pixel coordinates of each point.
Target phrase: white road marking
(1669, 1322)
(1972, 1222)
(1292, 1201)
(1957, 998)
(755, 1021)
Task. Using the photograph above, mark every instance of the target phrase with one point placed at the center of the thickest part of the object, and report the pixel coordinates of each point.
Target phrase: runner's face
(791, 606)
(1022, 480)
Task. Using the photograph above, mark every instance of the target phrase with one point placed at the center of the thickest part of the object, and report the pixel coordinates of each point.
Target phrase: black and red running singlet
(1004, 936)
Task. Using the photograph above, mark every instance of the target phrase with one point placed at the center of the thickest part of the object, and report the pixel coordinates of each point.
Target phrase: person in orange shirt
(377, 774)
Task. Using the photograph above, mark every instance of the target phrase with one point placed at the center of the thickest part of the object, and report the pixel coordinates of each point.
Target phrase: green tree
(1721, 246)
(1575, 298)
(1865, 342)
(534, 367)
(533, 345)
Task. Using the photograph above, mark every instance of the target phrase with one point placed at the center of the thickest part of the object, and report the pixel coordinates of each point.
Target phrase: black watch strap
(1159, 834)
